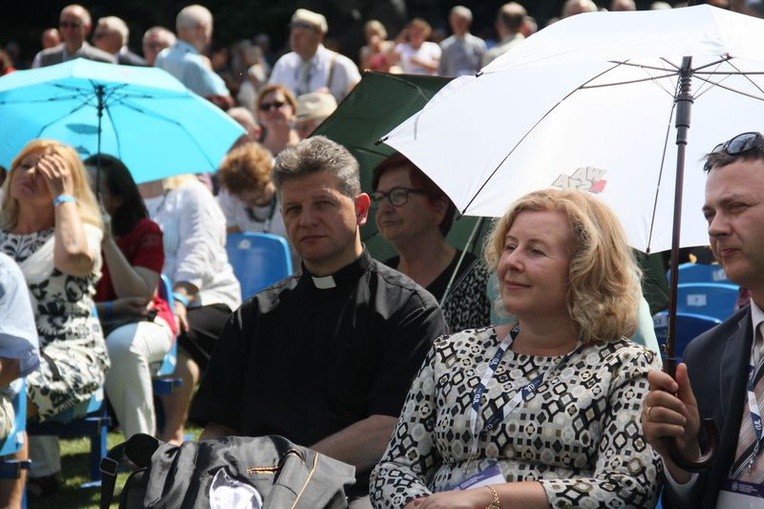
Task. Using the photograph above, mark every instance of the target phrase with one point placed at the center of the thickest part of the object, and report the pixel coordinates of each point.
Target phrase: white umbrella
(595, 102)
(589, 102)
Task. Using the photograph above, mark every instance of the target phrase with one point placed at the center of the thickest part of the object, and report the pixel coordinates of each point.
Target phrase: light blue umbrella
(142, 115)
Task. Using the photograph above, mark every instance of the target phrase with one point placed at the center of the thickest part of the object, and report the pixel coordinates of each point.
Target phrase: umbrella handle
(702, 463)
(708, 426)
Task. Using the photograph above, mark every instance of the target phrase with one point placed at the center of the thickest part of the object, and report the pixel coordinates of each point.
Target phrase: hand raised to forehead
(56, 174)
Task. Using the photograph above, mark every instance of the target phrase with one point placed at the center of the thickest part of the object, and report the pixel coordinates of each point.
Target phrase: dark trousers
(205, 324)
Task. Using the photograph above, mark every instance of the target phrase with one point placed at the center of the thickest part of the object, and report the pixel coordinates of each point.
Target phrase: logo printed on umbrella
(583, 179)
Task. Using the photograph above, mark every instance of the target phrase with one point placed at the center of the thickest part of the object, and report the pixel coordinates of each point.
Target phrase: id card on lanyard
(740, 495)
(523, 395)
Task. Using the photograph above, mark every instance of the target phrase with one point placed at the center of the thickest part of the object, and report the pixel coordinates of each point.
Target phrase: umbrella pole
(99, 95)
(470, 241)
(683, 102)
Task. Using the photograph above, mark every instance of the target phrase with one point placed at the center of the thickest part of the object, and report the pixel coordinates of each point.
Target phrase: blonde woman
(51, 226)
(544, 412)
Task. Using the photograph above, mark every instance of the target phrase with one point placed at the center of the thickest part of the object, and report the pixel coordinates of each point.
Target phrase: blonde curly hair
(603, 277)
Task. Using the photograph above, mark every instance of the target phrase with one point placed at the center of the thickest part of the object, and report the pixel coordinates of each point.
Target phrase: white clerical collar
(324, 283)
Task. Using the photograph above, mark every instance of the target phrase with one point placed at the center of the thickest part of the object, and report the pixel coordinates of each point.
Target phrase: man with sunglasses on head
(74, 26)
(324, 358)
(722, 376)
(310, 66)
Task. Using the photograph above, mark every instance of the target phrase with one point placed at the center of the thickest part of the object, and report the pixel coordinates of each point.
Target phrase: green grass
(75, 466)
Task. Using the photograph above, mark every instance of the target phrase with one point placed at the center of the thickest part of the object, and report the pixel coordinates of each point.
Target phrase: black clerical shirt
(310, 356)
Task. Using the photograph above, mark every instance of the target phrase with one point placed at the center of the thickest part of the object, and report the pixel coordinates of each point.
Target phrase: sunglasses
(735, 146)
(70, 24)
(398, 196)
(269, 106)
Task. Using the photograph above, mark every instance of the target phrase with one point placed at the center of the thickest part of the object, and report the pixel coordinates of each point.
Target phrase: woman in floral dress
(51, 226)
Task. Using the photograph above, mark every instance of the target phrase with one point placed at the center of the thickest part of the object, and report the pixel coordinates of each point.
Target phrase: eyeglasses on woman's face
(398, 196)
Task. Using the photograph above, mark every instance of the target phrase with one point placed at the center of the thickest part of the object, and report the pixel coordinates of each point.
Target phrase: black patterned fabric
(579, 434)
(73, 358)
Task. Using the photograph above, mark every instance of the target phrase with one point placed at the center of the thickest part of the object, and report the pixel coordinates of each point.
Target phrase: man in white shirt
(721, 377)
(311, 67)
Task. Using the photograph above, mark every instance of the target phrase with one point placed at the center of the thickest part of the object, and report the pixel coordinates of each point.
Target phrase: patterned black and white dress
(73, 358)
(579, 434)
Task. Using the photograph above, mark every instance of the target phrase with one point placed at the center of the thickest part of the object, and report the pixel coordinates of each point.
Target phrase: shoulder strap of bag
(138, 449)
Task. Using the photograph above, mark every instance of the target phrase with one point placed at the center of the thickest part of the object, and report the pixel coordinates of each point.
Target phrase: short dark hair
(418, 178)
(119, 181)
(316, 154)
(722, 158)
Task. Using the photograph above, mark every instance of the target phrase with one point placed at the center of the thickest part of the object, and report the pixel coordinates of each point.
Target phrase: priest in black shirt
(324, 358)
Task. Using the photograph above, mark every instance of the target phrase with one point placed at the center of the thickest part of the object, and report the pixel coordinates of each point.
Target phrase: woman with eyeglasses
(276, 109)
(415, 215)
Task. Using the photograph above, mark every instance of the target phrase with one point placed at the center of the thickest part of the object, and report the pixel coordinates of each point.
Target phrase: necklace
(266, 221)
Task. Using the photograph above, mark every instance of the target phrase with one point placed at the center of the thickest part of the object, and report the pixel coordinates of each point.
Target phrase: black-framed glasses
(69, 24)
(274, 105)
(738, 145)
(398, 196)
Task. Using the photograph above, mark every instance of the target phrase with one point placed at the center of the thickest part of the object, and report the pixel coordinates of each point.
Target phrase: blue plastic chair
(162, 383)
(11, 468)
(688, 326)
(258, 260)
(700, 273)
(710, 299)
(87, 419)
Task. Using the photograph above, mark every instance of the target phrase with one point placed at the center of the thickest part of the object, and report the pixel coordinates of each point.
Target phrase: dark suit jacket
(717, 363)
(130, 58)
(55, 55)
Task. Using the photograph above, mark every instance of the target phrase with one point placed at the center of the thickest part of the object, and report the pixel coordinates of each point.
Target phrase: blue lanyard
(753, 408)
(523, 395)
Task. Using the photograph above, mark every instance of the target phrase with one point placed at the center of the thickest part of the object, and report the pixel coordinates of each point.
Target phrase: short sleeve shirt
(333, 350)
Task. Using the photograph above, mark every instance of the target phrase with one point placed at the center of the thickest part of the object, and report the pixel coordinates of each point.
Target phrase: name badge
(491, 475)
(740, 495)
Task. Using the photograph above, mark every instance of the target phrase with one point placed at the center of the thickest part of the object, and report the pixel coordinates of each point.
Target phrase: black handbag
(283, 474)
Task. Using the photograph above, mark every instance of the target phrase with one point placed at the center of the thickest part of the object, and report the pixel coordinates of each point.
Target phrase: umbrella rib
(736, 73)
(628, 82)
(86, 98)
(528, 133)
(660, 173)
(411, 85)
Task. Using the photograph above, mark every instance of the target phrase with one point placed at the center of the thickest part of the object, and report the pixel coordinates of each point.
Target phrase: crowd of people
(392, 366)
